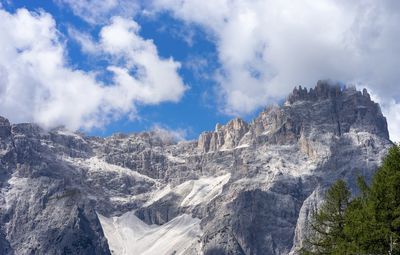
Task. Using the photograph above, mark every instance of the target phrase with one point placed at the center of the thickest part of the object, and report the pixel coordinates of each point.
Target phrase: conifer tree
(327, 226)
(384, 205)
(369, 224)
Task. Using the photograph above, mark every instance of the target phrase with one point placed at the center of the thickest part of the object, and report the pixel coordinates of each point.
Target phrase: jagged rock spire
(323, 90)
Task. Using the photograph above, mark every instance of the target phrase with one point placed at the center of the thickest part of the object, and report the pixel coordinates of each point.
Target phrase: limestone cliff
(248, 186)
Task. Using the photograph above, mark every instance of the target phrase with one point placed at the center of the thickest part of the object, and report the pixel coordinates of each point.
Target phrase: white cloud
(170, 135)
(86, 42)
(391, 110)
(267, 47)
(98, 12)
(153, 79)
(37, 84)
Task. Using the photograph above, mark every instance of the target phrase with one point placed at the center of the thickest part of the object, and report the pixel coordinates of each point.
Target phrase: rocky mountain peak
(59, 190)
(307, 113)
(325, 89)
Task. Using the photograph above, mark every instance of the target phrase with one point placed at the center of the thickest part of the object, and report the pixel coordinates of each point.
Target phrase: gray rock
(53, 182)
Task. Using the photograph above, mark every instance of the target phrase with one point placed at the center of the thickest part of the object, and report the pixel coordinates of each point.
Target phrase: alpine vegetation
(366, 224)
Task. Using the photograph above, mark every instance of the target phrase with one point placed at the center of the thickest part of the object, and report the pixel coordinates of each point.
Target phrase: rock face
(224, 137)
(251, 185)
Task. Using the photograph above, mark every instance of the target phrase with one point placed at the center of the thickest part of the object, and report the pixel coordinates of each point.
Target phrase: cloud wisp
(99, 12)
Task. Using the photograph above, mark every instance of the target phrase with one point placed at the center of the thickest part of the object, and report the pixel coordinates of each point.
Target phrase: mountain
(244, 188)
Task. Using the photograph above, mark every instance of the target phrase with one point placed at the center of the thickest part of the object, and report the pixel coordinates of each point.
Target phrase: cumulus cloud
(37, 84)
(141, 73)
(267, 47)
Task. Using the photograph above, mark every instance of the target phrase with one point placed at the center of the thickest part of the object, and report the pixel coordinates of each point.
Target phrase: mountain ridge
(242, 178)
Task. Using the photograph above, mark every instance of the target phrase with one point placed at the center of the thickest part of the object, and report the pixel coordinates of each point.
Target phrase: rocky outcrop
(43, 209)
(346, 107)
(324, 90)
(252, 185)
(224, 137)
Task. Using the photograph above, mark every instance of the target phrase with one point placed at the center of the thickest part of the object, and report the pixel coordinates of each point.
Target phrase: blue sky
(195, 112)
(127, 66)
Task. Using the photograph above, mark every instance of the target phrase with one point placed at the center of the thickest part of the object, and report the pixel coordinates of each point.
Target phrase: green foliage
(369, 224)
(329, 221)
(384, 203)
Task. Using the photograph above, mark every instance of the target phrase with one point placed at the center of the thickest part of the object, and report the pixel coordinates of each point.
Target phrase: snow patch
(203, 190)
(242, 146)
(237, 147)
(176, 159)
(128, 235)
(95, 164)
(157, 195)
(194, 192)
